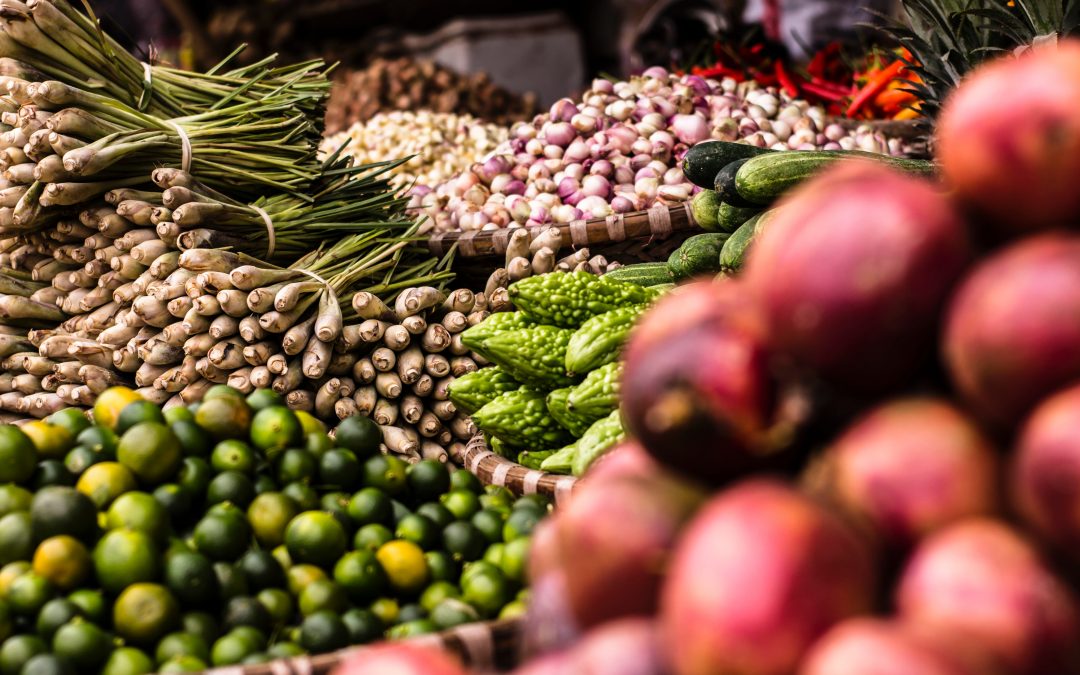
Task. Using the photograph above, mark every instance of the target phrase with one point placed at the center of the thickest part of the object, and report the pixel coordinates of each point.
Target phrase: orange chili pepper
(874, 86)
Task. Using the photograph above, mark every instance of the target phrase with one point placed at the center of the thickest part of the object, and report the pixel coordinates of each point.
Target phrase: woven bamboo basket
(483, 646)
(493, 469)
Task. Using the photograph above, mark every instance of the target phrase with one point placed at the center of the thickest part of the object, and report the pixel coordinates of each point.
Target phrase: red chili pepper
(834, 87)
(877, 82)
(822, 92)
(786, 80)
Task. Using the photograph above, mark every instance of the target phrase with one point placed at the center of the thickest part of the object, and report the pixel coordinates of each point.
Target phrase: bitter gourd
(601, 437)
(601, 338)
(474, 338)
(521, 419)
(558, 405)
(473, 391)
(598, 393)
(561, 461)
(534, 356)
(533, 459)
(569, 299)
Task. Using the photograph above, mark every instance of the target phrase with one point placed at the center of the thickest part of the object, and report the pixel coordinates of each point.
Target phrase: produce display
(617, 149)
(235, 531)
(439, 145)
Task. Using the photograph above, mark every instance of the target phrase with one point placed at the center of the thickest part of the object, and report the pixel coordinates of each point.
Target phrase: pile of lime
(236, 531)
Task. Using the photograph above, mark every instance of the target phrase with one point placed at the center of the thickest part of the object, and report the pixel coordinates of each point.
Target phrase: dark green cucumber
(699, 254)
(738, 245)
(705, 207)
(703, 161)
(725, 186)
(643, 274)
(729, 218)
(764, 179)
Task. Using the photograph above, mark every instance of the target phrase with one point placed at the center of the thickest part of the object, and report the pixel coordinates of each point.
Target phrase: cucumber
(703, 161)
(730, 218)
(643, 274)
(764, 179)
(705, 207)
(699, 254)
(725, 186)
(737, 246)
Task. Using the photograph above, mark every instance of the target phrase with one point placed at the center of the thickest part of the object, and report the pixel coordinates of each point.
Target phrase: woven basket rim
(493, 469)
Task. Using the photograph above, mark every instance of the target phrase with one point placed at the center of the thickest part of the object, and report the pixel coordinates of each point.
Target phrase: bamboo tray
(482, 646)
(493, 469)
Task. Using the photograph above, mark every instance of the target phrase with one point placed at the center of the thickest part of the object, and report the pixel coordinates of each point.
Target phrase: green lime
(193, 440)
(195, 475)
(231, 486)
(436, 592)
(264, 398)
(515, 609)
(412, 628)
(265, 483)
(463, 541)
(80, 458)
(262, 570)
(28, 593)
(371, 537)
(275, 428)
(295, 465)
(315, 537)
(386, 472)
(124, 557)
(221, 537)
(139, 511)
(230, 650)
(19, 649)
(486, 590)
(224, 417)
(48, 664)
(62, 560)
(363, 626)
(190, 576)
(538, 503)
(82, 644)
(128, 661)
(305, 496)
(337, 505)
(310, 424)
(101, 440)
(281, 554)
(494, 554)
(300, 576)
(184, 664)
(219, 391)
(16, 537)
(231, 581)
(360, 575)
(476, 567)
(269, 514)
(51, 472)
(321, 595)
(515, 560)
(178, 413)
(63, 510)
(278, 604)
(74, 420)
(370, 505)
(462, 503)
(428, 479)
(339, 469)
(176, 501)
(14, 498)
(463, 480)
(359, 434)
(521, 523)
(453, 612)
(246, 611)
(496, 497)
(317, 443)
(438, 513)
(10, 572)
(18, 459)
(201, 624)
(411, 612)
(400, 511)
(151, 452)
(91, 604)
(144, 613)
(110, 402)
(420, 530)
(442, 566)
(323, 632)
(50, 441)
(138, 412)
(233, 455)
(386, 609)
(404, 565)
(490, 523)
(284, 650)
(53, 614)
(181, 644)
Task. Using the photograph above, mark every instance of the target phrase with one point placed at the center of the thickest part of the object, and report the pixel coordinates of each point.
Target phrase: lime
(386, 472)
(284, 650)
(16, 537)
(101, 440)
(515, 559)
(139, 511)
(306, 498)
(462, 503)
(521, 523)
(176, 501)
(222, 537)
(74, 420)
(18, 459)
(321, 595)
(222, 391)
(323, 632)
(264, 398)
(82, 644)
(50, 441)
(363, 626)
(28, 593)
(309, 424)
(315, 537)
(246, 611)
(262, 570)
(500, 499)
(412, 628)
(359, 434)
(151, 451)
(10, 572)
(230, 650)
(91, 604)
(138, 412)
(231, 582)
(428, 479)
(193, 440)
(144, 613)
(386, 609)
(265, 483)
(337, 505)
(183, 664)
(317, 443)
(463, 541)
(195, 475)
(490, 523)
(124, 557)
(253, 636)
(371, 537)
(441, 566)
(339, 469)
(80, 458)
(200, 624)
(420, 530)
(63, 510)
(231, 486)
(453, 612)
(275, 428)
(359, 573)
(299, 576)
(463, 480)
(17, 650)
(404, 565)
(233, 455)
(110, 403)
(178, 413)
(411, 612)
(224, 417)
(269, 514)
(53, 614)
(62, 560)
(278, 604)
(370, 505)
(514, 609)
(494, 554)
(295, 466)
(436, 592)
(128, 661)
(190, 576)
(105, 481)
(51, 472)
(48, 664)
(538, 503)
(469, 569)
(487, 590)
(438, 513)
(14, 498)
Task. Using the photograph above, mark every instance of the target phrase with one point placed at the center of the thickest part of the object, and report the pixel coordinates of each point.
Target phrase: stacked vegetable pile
(885, 399)
(235, 531)
(617, 150)
(552, 398)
